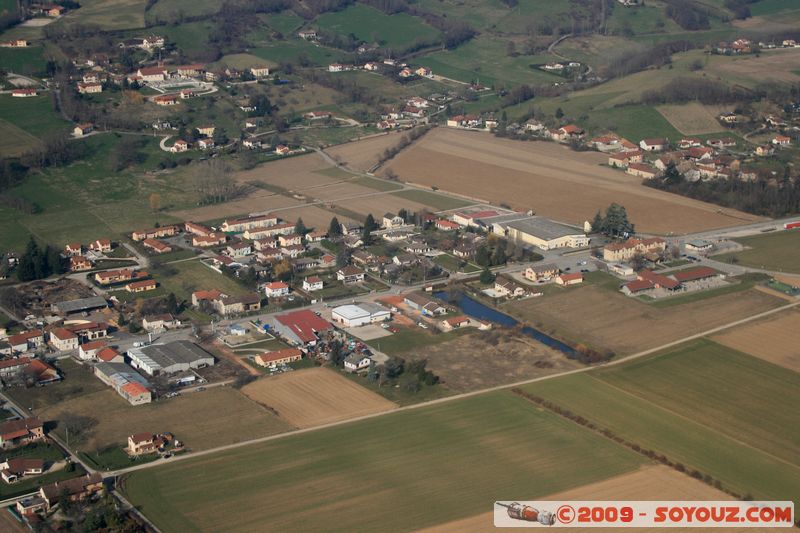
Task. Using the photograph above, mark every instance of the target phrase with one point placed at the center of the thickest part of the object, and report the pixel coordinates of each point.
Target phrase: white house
(356, 361)
(276, 289)
(312, 283)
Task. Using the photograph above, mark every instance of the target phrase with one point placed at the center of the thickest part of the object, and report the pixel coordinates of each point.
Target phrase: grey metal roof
(171, 353)
(543, 228)
(82, 304)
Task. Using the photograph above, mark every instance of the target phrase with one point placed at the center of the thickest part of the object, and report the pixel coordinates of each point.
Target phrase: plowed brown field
(550, 179)
(315, 396)
(649, 483)
(363, 155)
(775, 339)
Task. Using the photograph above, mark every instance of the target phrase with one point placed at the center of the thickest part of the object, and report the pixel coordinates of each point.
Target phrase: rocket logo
(527, 513)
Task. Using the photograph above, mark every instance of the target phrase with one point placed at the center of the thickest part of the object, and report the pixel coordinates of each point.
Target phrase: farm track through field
(460, 396)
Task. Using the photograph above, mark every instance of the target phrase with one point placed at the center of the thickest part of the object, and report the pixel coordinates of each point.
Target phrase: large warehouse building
(360, 314)
(178, 356)
(546, 234)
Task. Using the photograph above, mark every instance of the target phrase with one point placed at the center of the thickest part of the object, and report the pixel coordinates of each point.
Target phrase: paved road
(638, 355)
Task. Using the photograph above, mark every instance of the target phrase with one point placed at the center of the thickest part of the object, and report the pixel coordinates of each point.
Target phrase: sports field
(550, 179)
(574, 315)
(775, 339)
(200, 419)
(778, 251)
(402, 471)
(314, 396)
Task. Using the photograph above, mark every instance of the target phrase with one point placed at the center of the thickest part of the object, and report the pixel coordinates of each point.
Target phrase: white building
(546, 234)
(353, 315)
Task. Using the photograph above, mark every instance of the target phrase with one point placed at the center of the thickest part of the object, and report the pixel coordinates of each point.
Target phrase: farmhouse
(642, 170)
(239, 225)
(79, 263)
(353, 315)
(541, 272)
(350, 274)
(150, 74)
(312, 283)
(14, 469)
(308, 35)
(155, 233)
(176, 356)
(110, 355)
(82, 129)
(278, 357)
(89, 87)
(569, 279)
(27, 340)
(653, 145)
(276, 289)
(20, 432)
(424, 304)
(317, 115)
(455, 322)
(205, 144)
(160, 322)
(507, 287)
(390, 220)
(237, 305)
(546, 234)
(624, 251)
(63, 339)
(179, 146)
(88, 350)
(781, 140)
(142, 444)
(75, 489)
(356, 361)
(142, 286)
(156, 246)
(301, 327)
(446, 225)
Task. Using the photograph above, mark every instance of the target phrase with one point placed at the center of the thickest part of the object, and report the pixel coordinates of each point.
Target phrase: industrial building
(81, 305)
(546, 234)
(353, 315)
(177, 356)
(301, 327)
(126, 381)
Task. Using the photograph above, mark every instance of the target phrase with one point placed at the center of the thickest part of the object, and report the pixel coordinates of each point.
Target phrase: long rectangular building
(126, 381)
(546, 234)
(177, 356)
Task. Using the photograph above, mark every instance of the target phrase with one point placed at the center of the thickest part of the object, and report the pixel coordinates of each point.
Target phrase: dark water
(476, 309)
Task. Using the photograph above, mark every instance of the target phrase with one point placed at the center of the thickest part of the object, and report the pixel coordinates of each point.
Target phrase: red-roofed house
(79, 263)
(455, 322)
(156, 246)
(88, 350)
(63, 339)
(569, 278)
(468, 219)
(279, 357)
(20, 432)
(141, 286)
(100, 245)
(696, 274)
(312, 283)
(276, 289)
(446, 225)
(110, 355)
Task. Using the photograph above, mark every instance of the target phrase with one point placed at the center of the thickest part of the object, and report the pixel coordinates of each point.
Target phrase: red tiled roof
(695, 274)
(304, 324)
(135, 389)
(8, 363)
(107, 354)
(658, 279)
(279, 354)
(639, 285)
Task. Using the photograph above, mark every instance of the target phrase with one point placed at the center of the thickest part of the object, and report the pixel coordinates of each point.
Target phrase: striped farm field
(724, 413)
(775, 339)
(405, 470)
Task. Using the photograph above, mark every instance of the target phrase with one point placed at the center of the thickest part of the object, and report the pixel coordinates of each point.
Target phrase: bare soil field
(378, 205)
(691, 119)
(214, 417)
(363, 155)
(337, 190)
(255, 202)
(776, 65)
(486, 359)
(775, 339)
(313, 216)
(627, 325)
(295, 173)
(315, 396)
(649, 483)
(550, 179)
(10, 524)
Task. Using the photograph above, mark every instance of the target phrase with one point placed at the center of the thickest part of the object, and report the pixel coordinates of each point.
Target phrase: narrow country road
(622, 360)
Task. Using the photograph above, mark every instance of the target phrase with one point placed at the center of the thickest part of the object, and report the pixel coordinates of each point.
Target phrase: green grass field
(436, 201)
(108, 14)
(285, 22)
(772, 251)
(633, 122)
(291, 50)
(772, 7)
(710, 408)
(485, 59)
(186, 277)
(422, 467)
(169, 10)
(27, 61)
(34, 115)
(397, 31)
(8, 6)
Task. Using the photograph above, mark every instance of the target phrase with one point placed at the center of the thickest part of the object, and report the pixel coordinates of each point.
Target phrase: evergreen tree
(300, 228)
(486, 276)
(369, 226)
(671, 175)
(482, 256)
(335, 229)
(597, 223)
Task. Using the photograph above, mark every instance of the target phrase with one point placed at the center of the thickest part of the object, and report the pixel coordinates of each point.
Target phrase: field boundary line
(695, 422)
(509, 386)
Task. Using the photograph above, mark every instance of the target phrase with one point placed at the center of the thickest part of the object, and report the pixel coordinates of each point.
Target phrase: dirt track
(649, 483)
(550, 179)
(315, 396)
